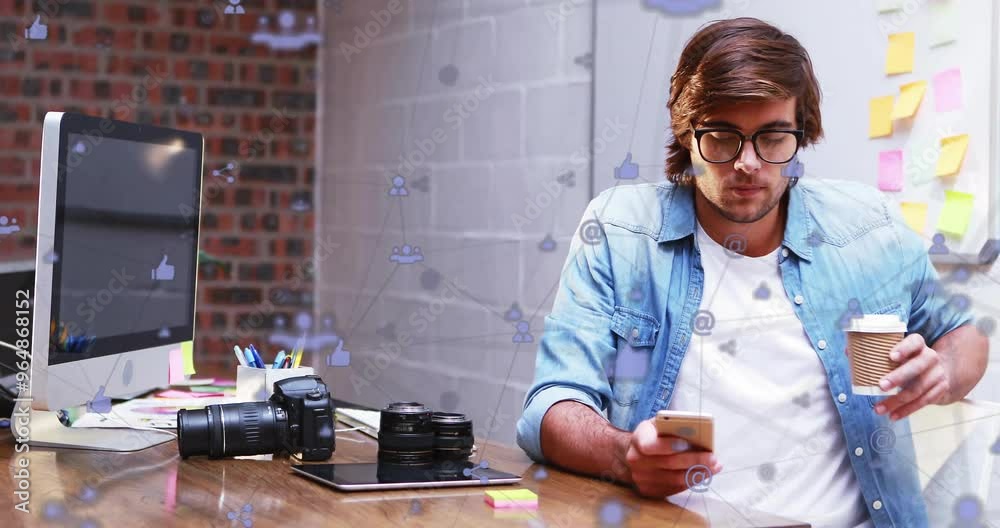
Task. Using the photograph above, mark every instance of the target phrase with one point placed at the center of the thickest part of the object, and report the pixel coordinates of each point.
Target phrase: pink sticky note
(948, 90)
(890, 170)
(176, 366)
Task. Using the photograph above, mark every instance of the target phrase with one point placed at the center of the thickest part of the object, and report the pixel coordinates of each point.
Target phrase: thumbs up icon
(37, 31)
(627, 170)
(163, 272)
(339, 357)
(100, 404)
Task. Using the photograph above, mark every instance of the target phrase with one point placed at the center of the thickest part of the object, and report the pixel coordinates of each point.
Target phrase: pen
(298, 359)
(288, 362)
(256, 356)
(250, 361)
(239, 355)
(279, 360)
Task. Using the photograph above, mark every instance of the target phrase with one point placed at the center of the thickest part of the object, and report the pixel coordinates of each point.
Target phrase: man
(726, 291)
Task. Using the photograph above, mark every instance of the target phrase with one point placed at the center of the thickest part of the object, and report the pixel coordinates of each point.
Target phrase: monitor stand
(45, 430)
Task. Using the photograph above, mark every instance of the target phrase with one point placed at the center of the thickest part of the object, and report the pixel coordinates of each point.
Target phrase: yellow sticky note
(952, 154)
(900, 56)
(187, 351)
(880, 116)
(915, 214)
(956, 213)
(910, 96)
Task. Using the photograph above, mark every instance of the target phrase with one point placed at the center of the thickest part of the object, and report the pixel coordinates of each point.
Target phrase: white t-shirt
(777, 432)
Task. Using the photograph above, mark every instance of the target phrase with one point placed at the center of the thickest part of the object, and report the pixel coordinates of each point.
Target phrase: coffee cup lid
(877, 323)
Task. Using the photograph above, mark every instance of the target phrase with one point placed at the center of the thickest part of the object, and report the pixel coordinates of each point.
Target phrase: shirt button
(798, 299)
(877, 505)
(858, 451)
(841, 397)
(821, 344)
(635, 332)
(784, 252)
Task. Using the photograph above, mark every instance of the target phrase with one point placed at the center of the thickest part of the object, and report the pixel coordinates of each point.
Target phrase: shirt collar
(679, 218)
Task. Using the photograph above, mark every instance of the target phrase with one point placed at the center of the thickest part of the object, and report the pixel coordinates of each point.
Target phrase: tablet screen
(388, 476)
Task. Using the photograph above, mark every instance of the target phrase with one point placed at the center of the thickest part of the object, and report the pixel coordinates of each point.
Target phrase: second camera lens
(452, 436)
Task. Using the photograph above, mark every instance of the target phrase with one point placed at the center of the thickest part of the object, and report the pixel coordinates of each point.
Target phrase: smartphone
(697, 428)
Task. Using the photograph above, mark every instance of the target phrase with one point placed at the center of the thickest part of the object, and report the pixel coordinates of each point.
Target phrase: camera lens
(234, 429)
(406, 434)
(452, 436)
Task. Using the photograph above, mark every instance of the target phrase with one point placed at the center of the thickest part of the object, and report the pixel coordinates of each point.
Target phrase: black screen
(126, 242)
(11, 283)
(374, 473)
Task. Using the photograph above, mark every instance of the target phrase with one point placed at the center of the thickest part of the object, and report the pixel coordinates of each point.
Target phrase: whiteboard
(637, 49)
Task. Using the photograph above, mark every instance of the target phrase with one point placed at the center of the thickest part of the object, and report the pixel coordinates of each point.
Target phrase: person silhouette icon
(8, 226)
(234, 8)
(522, 335)
(398, 187)
(938, 247)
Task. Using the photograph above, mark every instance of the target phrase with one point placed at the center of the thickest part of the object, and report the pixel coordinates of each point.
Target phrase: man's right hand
(658, 464)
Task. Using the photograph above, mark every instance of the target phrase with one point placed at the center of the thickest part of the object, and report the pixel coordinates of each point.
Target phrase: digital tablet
(376, 476)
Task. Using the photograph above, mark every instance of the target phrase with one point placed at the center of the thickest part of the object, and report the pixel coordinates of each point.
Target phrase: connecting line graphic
(930, 479)
(683, 510)
(368, 268)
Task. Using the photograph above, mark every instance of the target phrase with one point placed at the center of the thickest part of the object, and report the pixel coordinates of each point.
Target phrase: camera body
(310, 411)
(298, 418)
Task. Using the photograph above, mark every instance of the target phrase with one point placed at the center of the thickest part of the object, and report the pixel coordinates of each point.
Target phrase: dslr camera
(298, 418)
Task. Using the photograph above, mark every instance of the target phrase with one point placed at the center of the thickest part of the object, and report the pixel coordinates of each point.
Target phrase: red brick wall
(255, 106)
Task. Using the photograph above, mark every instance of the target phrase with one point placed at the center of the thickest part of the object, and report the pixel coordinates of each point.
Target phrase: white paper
(148, 412)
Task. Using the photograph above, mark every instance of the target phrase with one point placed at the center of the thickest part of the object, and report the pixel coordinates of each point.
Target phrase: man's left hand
(922, 375)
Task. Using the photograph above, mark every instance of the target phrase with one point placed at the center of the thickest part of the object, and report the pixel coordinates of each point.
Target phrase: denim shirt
(634, 278)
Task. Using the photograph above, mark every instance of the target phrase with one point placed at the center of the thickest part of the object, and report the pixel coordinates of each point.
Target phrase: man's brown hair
(734, 61)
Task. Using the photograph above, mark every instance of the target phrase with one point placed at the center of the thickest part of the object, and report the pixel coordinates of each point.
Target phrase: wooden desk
(154, 487)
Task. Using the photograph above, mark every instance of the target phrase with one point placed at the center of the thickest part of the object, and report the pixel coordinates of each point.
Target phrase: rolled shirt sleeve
(577, 341)
(933, 311)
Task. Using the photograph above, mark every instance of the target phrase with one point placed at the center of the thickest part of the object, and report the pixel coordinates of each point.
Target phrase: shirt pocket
(890, 308)
(635, 333)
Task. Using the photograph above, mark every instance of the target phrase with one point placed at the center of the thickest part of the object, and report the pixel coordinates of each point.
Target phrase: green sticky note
(956, 213)
(187, 351)
(920, 160)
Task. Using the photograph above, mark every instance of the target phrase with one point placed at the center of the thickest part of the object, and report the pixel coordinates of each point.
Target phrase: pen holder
(255, 384)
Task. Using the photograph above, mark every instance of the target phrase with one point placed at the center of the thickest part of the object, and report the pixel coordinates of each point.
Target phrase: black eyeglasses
(722, 145)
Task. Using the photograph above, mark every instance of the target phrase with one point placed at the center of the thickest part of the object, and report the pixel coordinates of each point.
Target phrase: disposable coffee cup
(869, 340)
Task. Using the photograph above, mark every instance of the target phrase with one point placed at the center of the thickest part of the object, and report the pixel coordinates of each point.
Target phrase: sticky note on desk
(915, 215)
(948, 90)
(880, 116)
(187, 351)
(910, 96)
(890, 170)
(952, 154)
(944, 23)
(176, 371)
(519, 498)
(899, 59)
(956, 213)
(888, 6)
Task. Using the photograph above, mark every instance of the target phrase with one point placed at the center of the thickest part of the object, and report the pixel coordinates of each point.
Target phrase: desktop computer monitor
(116, 260)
